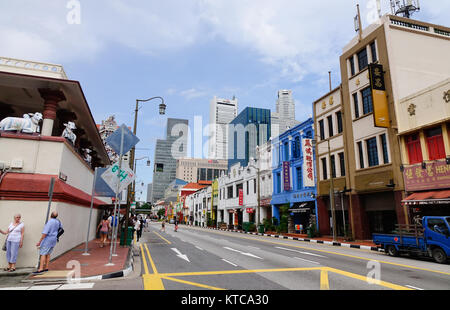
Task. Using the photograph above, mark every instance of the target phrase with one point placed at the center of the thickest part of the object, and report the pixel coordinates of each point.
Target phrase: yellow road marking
(194, 284)
(151, 281)
(168, 242)
(335, 253)
(358, 277)
(144, 260)
(324, 283)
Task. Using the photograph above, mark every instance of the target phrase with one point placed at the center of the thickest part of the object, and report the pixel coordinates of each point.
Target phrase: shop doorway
(382, 221)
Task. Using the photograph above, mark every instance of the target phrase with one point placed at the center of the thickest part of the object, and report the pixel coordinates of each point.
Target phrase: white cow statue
(68, 133)
(87, 155)
(28, 124)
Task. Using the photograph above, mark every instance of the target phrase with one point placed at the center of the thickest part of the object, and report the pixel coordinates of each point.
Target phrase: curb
(116, 274)
(348, 245)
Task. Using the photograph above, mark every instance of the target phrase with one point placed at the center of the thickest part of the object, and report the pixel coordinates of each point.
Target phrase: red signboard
(241, 197)
(436, 175)
(287, 176)
(250, 210)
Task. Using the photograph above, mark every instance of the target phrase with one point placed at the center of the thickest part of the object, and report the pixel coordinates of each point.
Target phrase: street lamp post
(333, 212)
(131, 195)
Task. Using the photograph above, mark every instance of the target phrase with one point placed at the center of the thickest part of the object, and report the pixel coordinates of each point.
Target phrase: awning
(428, 198)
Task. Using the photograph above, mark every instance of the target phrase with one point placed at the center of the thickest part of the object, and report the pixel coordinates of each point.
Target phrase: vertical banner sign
(241, 197)
(379, 98)
(287, 176)
(308, 164)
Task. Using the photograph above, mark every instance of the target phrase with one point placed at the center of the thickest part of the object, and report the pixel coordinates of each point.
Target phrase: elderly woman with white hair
(14, 241)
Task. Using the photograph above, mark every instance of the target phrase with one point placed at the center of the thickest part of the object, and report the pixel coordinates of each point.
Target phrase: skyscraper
(284, 117)
(251, 128)
(167, 152)
(221, 112)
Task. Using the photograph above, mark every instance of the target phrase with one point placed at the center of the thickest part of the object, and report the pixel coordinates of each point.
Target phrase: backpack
(60, 231)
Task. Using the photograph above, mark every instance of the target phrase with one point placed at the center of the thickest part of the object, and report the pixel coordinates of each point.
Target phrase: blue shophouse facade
(289, 174)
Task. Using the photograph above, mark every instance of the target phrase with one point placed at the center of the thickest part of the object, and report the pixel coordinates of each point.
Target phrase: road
(202, 259)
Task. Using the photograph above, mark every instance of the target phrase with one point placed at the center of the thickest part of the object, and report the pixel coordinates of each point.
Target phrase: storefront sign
(380, 103)
(308, 164)
(436, 175)
(250, 210)
(287, 176)
(241, 197)
(265, 202)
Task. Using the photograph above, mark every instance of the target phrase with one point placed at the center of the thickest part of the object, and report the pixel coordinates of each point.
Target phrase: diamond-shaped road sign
(129, 140)
(118, 179)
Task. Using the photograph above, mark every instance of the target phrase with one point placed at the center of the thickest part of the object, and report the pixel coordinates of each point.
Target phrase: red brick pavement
(93, 264)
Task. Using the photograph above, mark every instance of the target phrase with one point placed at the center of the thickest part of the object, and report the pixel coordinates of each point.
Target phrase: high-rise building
(194, 170)
(221, 112)
(251, 128)
(167, 152)
(284, 117)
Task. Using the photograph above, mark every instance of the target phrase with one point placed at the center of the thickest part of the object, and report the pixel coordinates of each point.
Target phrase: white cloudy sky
(189, 51)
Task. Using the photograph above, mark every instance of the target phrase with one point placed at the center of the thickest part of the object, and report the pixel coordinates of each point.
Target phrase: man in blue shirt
(48, 241)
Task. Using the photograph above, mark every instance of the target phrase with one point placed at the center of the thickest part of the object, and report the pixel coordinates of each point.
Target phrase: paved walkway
(91, 265)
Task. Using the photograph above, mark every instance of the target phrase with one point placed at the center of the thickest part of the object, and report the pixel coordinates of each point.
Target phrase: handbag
(4, 244)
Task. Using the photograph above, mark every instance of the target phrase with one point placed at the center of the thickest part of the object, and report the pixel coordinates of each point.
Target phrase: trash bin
(310, 232)
(129, 236)
(261, 229)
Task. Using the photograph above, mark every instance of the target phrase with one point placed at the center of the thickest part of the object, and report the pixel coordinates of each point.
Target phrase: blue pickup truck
(431, 238)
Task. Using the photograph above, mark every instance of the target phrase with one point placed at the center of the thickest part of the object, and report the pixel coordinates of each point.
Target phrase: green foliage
(161, 212)
(146, 206)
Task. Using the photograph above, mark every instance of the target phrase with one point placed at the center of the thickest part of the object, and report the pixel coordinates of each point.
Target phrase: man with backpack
(50, 235)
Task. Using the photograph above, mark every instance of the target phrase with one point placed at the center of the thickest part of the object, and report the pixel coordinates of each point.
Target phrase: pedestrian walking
(48, 242)
(137, 228)
(176, 225)
(163, 225)
(14, 241)
(104, 228)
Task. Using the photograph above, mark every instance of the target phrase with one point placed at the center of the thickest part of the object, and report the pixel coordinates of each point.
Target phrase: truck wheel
(391, 250)
(439, 256)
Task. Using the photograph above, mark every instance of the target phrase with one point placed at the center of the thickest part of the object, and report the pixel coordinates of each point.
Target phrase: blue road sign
(129, 140)
(102, 189)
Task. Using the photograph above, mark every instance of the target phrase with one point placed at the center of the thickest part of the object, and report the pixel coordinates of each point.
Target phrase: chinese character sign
(435, 176)
(308, 164)
(287, 176)
(241, 197)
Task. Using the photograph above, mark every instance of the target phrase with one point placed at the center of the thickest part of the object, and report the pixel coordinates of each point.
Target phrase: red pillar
(399, 209)
(360, 220)
(323, 217)
(51, 97)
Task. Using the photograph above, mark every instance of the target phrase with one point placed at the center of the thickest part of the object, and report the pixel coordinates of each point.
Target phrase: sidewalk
(91, 266)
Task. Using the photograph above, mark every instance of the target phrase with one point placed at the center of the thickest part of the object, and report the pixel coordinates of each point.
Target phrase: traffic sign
(129, 140)
(118, 179)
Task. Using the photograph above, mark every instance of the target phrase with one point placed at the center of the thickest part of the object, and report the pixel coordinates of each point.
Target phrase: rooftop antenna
(405, 7)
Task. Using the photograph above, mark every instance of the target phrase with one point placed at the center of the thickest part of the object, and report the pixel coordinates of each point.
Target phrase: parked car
(431, 239)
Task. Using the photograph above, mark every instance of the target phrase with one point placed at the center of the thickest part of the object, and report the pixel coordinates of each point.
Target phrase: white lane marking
(229, 262)
(416, 288)
(182, 256)
(19, 288)
(246, 254)
(309, 261)
(78, 286)
(44, 287)
(199, 248)
(306, 253)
